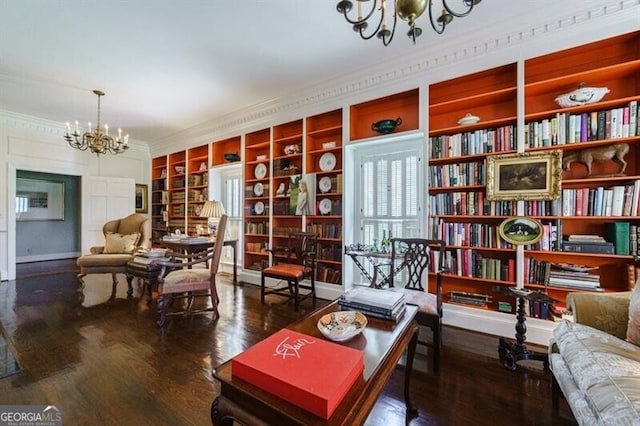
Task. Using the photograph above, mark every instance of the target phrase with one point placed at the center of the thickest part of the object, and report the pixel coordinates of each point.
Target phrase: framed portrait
(142, 202)
(38, 199)
(521, 230)
(524, 176)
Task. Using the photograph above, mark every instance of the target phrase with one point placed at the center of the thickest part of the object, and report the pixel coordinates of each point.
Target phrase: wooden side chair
(179, 280)
(417, 254)
(293, 264)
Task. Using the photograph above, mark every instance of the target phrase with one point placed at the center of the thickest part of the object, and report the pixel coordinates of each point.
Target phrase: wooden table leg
(411, 352)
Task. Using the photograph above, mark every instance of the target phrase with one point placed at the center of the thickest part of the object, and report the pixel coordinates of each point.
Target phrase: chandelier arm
(437, 27)
(457, 14)
(373, 33)
(393, 30)
(364, 19)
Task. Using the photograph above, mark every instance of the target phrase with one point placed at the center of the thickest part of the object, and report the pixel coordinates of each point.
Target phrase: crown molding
(29, 123)
(432, 63)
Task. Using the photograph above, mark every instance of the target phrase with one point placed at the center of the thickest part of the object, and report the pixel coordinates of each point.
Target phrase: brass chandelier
(96, 141)
(407, 10)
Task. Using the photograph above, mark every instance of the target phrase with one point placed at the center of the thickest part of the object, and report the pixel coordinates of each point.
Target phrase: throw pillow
(120, 244)
(633, 328)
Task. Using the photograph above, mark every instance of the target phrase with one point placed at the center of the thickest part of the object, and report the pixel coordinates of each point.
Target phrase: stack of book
(574, 276)
(588, 244)
(379, 303)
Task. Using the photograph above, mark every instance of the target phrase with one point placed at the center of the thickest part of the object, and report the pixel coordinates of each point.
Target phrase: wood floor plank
(105, 361)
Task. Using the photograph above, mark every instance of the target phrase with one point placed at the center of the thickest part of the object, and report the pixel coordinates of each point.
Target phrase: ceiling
(168, 65)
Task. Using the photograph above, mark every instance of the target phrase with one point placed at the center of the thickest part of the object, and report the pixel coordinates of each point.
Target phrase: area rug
(8, 363)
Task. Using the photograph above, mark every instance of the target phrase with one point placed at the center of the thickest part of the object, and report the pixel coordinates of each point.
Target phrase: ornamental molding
(601, 20)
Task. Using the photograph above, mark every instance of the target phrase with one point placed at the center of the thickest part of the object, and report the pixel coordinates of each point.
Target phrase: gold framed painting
(142, 202)
(521, 230)
(524, 176)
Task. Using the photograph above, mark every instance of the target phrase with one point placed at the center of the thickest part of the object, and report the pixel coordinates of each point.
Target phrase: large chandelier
(407, 10)
(96, 141)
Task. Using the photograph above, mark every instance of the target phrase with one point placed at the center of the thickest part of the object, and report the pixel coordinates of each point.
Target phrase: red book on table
(307, 371)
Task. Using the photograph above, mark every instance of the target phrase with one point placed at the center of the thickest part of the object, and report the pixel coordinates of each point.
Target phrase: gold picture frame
(521, 230)
(524, 176)
(142, 201)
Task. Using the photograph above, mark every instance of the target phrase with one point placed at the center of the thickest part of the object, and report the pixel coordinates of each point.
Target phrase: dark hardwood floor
(105, 362)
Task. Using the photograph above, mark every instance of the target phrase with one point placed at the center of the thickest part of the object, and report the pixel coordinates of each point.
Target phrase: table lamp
(213, 210)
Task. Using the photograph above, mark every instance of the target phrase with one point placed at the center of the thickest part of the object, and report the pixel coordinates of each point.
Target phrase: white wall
(30, 143)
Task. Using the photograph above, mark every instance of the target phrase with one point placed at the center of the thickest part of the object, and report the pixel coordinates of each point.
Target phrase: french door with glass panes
(391, 185)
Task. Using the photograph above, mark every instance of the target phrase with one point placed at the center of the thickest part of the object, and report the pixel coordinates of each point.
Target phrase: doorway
(48, 221)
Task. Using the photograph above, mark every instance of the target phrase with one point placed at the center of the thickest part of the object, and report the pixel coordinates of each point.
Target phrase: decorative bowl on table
(384, 127)
(342, 325)
(232, 157)
(582, 96)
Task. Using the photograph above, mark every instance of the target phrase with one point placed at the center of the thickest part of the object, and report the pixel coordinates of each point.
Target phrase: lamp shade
(212, 209)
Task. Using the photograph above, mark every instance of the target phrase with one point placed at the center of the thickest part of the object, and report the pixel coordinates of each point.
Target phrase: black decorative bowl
(231, 157)
(385, 127)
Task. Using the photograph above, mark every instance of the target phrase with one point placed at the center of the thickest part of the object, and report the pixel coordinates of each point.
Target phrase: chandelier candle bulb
(77, 132)
(89, 128)
(106, 129)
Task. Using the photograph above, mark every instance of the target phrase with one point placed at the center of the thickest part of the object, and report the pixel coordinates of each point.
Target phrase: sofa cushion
(606, 370)
(633, 328)
(120, 243)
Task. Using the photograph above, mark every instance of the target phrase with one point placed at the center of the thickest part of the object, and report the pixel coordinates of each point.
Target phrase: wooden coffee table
(383, 343)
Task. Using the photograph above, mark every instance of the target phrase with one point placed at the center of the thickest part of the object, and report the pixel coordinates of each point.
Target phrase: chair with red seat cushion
(292, 264)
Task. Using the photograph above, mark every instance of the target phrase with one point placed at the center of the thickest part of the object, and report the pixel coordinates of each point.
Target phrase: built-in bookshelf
(226, 151)
(289, 184)
(403, 106)
(478, 261)
(177, 182)
(257, 174)
(159, 198)
(591, 203)
(323, 157)
(197, 188)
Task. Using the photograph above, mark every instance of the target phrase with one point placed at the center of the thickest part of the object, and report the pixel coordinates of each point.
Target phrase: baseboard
(49, 256)
(539, 331)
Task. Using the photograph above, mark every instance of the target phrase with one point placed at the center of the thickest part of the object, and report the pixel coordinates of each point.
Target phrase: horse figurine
(615, 152)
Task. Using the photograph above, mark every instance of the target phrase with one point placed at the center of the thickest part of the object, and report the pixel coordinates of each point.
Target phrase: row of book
(328, 274)
(567, 128)
(617, 200)
(471, 263)
(260, 228)
(379, 303)
(329, 252)
(457, 174)
(467, 234)
(472, 203)
(326, 230)
(561, 275)
(481, 141)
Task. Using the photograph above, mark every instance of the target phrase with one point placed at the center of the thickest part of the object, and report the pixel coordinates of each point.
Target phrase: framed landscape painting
(524, 176)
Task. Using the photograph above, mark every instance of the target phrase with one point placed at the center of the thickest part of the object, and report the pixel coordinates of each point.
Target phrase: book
(618, 234)
(381, 298)
(393, 315)
(307, 371)
(580, 247)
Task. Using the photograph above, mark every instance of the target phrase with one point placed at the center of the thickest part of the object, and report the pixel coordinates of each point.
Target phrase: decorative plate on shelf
(260, 171)
(325, 206)
(342, 325)
(258, 207)
(325, 184)
(258, 189)
(327, 162)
